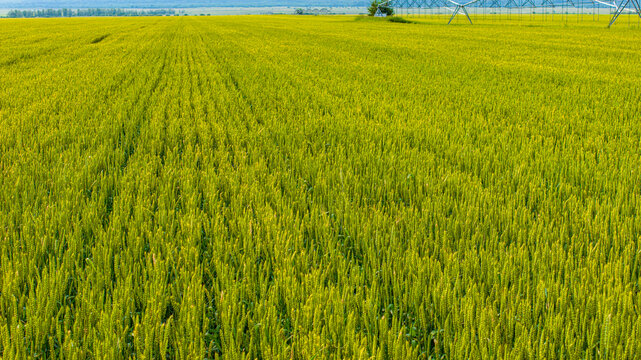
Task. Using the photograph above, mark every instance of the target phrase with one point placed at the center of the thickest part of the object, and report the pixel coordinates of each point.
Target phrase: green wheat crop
(319, 188)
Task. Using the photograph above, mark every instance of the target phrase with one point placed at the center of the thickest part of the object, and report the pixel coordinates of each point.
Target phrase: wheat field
(280, 187)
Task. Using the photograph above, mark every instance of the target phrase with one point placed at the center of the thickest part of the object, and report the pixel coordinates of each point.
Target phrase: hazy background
(176, 4)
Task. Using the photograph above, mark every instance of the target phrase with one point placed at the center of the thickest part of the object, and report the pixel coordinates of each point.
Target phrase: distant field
(268, 10)
(319, 187)
(257, 10)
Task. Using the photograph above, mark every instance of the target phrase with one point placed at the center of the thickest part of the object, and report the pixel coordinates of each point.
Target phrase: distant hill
(161, 4)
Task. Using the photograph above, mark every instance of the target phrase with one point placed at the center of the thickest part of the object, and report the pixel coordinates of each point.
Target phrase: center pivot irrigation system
(614, 7)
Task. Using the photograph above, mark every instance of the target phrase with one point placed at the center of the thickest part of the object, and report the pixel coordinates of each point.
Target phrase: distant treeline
(86, 12)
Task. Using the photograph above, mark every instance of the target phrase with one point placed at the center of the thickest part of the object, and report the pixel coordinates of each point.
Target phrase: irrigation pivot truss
(461, 7)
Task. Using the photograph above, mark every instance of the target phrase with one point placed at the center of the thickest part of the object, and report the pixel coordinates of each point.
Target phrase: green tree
(380, 4)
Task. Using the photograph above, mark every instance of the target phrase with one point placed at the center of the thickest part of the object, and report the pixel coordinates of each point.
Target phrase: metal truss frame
(631, 6)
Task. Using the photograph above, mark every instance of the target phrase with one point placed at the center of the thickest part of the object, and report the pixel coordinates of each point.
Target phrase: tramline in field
(493, 7)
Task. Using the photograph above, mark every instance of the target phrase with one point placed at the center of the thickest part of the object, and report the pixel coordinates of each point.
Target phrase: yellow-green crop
(319, 188)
